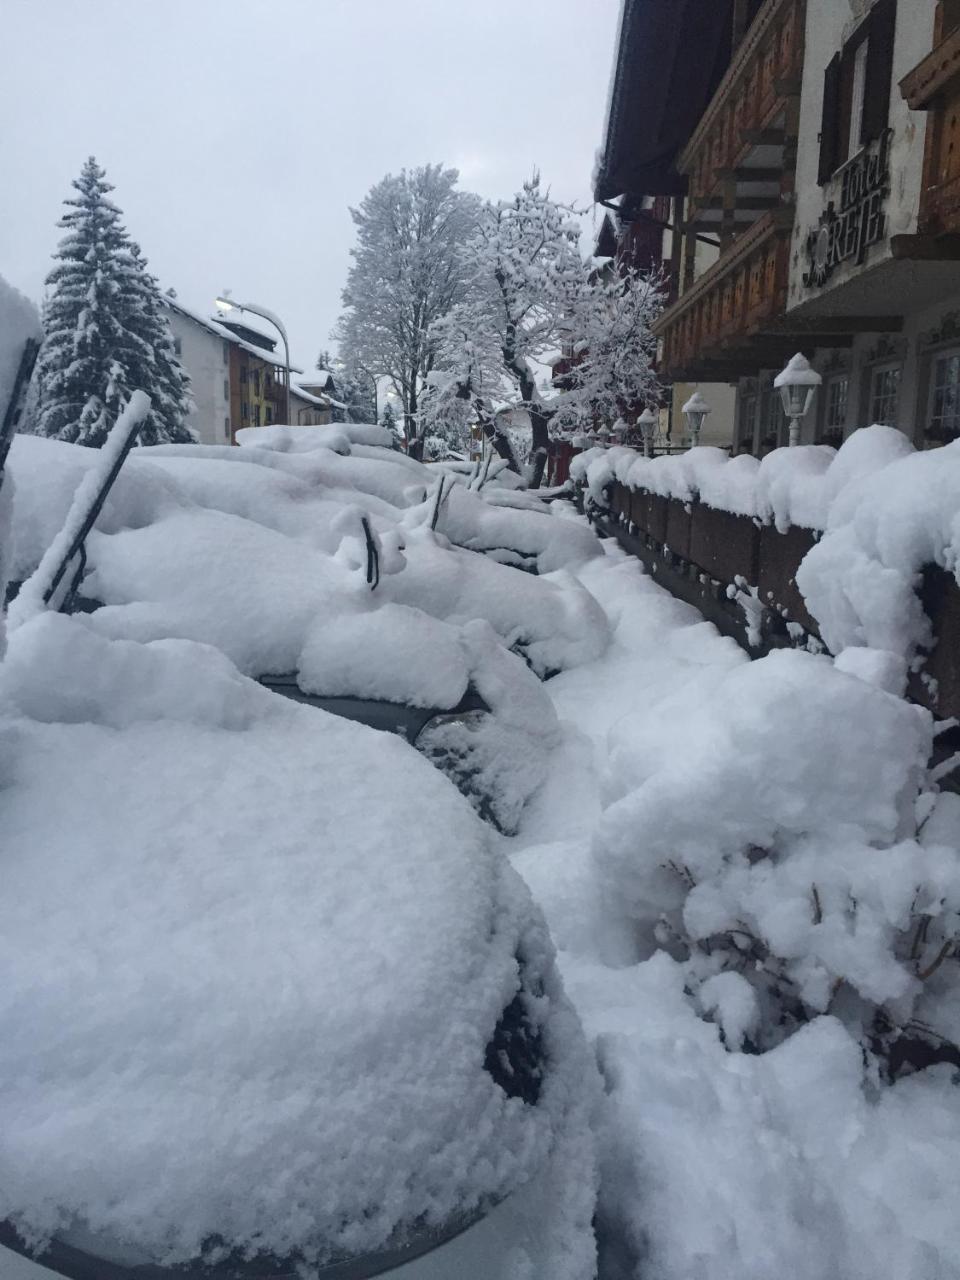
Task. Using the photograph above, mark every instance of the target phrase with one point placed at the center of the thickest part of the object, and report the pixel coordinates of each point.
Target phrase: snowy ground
(793, 787)
(718, 1164)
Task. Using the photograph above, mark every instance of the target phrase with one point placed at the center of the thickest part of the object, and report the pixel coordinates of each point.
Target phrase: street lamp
(647, 422)
(228, 304)
(695, 410)
(797, 385)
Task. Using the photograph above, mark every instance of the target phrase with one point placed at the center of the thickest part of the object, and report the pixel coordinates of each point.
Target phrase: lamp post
(797, 385)
(228, 304)
(647, 422)
(695, 410)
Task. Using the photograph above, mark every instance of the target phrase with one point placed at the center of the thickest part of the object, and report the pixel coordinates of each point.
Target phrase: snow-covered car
(322, 599)
(274, 1004)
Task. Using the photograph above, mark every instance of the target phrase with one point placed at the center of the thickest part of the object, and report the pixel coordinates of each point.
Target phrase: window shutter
(876, 99)
(829, 124)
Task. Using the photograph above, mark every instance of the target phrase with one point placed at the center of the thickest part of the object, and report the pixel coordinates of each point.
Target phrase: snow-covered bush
(778, 840)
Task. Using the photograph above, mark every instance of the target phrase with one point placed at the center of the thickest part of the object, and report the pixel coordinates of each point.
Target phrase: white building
(816, 143)
(204, 351)
(866, 250)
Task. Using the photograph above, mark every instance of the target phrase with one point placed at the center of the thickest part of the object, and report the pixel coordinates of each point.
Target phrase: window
(943, 417)
(256, 415)
(838, 391)
(243, 375)
(226, 353)
(269, 412)
(858, 84)
(226, 427)
(226, 389)
(748, 421)
(256, 382)
(856, 90)
(178, 346)
(244, 411)
(884, 394)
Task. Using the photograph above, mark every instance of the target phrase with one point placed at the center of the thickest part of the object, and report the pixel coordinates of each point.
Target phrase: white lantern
(797, 385)
(695, 410)
(647, 422)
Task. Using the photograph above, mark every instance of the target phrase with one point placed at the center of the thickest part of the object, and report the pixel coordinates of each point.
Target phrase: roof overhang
(671, 55)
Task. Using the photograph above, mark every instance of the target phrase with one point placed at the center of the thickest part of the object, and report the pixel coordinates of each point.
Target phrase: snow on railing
(885, 511)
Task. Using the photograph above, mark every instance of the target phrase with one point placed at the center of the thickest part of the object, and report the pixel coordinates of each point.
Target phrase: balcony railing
(739, 297)
(746, 117)
(934, 86)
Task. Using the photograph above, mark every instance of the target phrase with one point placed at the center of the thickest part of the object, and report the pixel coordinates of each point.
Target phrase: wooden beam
(750, 204)
(743, 173)
(921, 248)
(814, 325)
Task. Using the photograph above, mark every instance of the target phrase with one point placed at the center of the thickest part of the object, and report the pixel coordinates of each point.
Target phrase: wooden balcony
(729, 316)
(934, 86)
(741, 159)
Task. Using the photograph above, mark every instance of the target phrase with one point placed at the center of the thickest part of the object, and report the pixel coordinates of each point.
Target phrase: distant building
(237, 377)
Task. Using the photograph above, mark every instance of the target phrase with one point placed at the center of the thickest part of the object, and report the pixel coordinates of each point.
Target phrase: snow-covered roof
(221, 331)
(296, 389)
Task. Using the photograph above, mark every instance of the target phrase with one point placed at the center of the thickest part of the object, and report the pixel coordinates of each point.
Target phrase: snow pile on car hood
(253, 957)
(249, 549)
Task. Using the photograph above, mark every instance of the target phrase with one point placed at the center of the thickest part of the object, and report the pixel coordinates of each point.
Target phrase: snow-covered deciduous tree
(612, 373)
(533, 293)
(105, 331)
(408, 270)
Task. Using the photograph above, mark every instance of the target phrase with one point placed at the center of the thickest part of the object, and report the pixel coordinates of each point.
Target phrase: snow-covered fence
(856, 548)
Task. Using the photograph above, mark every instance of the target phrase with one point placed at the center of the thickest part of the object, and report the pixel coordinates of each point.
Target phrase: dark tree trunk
(411, 428)
(499, 441)
(540, 425)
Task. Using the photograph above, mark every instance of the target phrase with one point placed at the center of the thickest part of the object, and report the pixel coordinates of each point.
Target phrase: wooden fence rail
(741, 575)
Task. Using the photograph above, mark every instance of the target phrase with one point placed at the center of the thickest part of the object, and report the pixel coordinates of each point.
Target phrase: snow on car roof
(252, 957)
(249, 549)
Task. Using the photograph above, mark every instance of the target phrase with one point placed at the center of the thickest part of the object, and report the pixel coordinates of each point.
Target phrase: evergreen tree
(105, 334)
(389, 420)
(170, 395)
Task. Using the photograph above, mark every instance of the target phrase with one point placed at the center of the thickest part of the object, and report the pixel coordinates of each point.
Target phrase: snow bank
(814, 869)
(883, 527)
(253, 956)
(773, 808)
(722, 1164)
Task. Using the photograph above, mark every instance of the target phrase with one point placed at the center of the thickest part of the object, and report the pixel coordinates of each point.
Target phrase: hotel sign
(847, 229)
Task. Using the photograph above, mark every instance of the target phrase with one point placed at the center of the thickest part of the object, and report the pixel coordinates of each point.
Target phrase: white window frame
(857, 97)
(936, 358)
(832, 383)
(876, 371)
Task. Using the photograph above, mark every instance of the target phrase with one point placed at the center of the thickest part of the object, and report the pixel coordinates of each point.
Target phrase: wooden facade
(740, 164)
(934, 86)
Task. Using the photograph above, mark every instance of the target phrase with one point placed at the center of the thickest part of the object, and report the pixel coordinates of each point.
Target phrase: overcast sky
(238, 132)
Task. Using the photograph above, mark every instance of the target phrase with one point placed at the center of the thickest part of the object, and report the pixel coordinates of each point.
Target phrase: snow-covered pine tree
(104, 332)
(170, 395)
